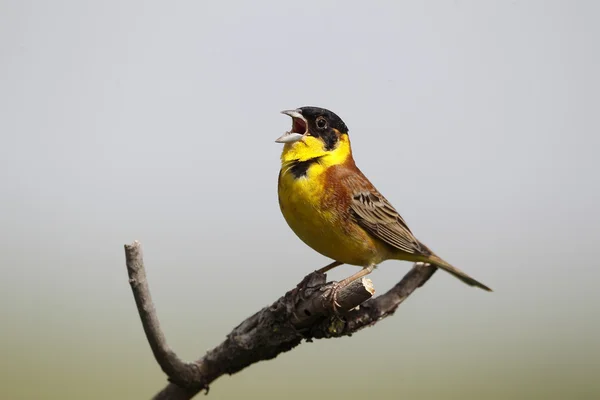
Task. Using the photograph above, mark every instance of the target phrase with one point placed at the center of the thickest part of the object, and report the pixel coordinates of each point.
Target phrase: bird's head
(315, 132)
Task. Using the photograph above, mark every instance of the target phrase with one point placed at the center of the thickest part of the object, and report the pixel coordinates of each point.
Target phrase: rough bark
(304, 313)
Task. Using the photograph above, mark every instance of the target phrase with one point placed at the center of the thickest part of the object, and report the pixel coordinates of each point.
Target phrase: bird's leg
(359, 274)
(343, 283)
(330, 267)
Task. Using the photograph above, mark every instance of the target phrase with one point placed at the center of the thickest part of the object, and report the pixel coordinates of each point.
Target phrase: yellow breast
(308, 205)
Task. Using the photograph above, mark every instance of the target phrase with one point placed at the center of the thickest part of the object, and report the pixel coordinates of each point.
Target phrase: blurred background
(155, 121)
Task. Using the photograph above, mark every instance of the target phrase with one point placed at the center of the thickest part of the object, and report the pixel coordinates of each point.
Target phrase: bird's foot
(336, 287)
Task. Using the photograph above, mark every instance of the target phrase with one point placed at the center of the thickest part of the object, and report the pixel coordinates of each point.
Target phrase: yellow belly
(322, 229)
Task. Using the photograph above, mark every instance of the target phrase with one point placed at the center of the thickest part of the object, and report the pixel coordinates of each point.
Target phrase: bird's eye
(321, 123)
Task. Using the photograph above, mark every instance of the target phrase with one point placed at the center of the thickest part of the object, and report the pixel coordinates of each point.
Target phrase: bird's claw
(334, 291)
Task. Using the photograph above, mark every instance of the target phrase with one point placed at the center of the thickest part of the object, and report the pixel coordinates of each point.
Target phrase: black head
(324, 124)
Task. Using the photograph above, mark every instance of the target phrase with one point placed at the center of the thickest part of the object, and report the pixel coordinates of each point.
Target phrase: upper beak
(294, 114)
(291, 137)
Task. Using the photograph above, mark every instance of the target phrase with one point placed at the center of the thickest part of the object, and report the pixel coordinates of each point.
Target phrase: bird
(332, 207)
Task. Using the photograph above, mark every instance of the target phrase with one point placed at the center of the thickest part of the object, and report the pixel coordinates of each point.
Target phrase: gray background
(123, 120)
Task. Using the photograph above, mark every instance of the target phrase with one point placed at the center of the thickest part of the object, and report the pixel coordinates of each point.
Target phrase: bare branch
(166, 358)
(305, 312)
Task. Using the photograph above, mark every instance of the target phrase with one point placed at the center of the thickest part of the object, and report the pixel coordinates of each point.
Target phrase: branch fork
(305, 312)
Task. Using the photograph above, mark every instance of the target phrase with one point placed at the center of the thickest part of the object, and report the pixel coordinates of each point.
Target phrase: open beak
(299, 127)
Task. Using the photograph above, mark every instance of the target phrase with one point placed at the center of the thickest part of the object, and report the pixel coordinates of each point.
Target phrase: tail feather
(438, 262)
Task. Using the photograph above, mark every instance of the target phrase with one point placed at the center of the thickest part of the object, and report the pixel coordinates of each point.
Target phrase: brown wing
(378, 217)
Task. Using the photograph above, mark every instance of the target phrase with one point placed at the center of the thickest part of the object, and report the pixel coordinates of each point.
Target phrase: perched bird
(332, 206)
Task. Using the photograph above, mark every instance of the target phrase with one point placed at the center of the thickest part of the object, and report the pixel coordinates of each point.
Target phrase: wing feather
(375, 214)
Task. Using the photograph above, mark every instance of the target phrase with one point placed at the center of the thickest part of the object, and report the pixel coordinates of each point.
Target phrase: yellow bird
(332, 206)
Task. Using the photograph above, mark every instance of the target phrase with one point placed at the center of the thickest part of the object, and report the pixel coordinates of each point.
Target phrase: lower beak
(291, 137)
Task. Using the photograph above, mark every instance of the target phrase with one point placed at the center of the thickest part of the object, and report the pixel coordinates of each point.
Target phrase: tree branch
(305, 312)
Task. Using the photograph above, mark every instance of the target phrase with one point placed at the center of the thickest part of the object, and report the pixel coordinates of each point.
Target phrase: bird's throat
(311, 150)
